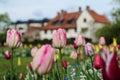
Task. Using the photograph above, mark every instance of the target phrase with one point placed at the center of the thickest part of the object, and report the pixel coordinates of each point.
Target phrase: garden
(57, 61)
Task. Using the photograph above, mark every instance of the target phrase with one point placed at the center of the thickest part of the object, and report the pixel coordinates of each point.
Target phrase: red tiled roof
(65, 17)
(99, 18)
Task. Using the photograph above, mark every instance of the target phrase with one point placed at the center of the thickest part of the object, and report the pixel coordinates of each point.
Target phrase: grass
(5, 65)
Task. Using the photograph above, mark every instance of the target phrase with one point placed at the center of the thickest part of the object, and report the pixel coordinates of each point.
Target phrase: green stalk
(93, 68)
(11, 77)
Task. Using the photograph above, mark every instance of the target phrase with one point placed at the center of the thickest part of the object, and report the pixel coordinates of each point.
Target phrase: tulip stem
(11, 64)
(62, 76)
(93, 68)
(57, 69)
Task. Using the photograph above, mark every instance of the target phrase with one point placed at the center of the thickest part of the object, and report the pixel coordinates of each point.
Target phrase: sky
(39, 9)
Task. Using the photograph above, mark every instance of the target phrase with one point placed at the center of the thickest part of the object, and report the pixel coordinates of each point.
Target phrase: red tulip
(110, 67)
(30, 66)
(97, 62)
(75, 46)
(64, 64)
(7, 55)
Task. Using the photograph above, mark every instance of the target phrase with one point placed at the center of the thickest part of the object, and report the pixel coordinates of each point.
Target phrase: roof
(31, 21)
(65, 20)
(98, 17)
(68, 20)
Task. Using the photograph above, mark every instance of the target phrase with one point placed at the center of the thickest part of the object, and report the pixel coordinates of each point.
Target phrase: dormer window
(84, 20)
(70, 21)
(57, 22)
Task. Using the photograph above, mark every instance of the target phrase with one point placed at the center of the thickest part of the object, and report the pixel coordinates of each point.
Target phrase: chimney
(87, 8)
(62, 11)
(62, 14)
(80, 10)
(58, 13)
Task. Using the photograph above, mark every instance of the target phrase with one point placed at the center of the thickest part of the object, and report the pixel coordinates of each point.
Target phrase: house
(84, 22)
(23, 27)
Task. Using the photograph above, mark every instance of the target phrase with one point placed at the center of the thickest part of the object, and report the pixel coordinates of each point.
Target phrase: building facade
(84, 22)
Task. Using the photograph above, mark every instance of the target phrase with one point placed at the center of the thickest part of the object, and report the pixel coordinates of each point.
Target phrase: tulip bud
(30, 66)
(102, 40)
(119, 47)
(20, 76)
(59, 38)
(97, 61)
(64, 64)
(89, 49)
(43, 59)
(75, 46)
(79, 40)
(33, 51)
(7, 55)
(13, 38)
(73, 55)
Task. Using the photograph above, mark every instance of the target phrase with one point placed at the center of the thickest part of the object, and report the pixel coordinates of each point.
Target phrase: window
(22, 33)
(36, 34)
(70, 21)
(75, 30)
(20, 28)
(83, 30)
(45, 31)
(84, 20)
(57, 22)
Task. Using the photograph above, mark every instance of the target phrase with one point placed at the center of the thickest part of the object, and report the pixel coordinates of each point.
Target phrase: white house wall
(23, 26)
(71, 33)
(90, 24)
(45, 34)
(36, 24)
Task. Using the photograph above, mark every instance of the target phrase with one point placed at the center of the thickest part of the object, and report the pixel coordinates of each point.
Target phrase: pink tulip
(111, 70)
(79, 40)
(73, 55)
(59, 38)
(97, 62)
(64, 64)
(7, 55)
(20, 76)
(102, 40)
(13, 38)
(43, 59)
(88, 49)
(33, 51)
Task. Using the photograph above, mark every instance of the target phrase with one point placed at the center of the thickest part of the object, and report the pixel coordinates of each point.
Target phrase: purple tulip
(13, 38)
(59, 38)
(102, 40)
(88, 49)
(43, 59)
(79, 40)
(7, 55)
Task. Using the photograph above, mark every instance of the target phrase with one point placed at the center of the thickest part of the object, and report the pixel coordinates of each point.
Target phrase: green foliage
(109, 32)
